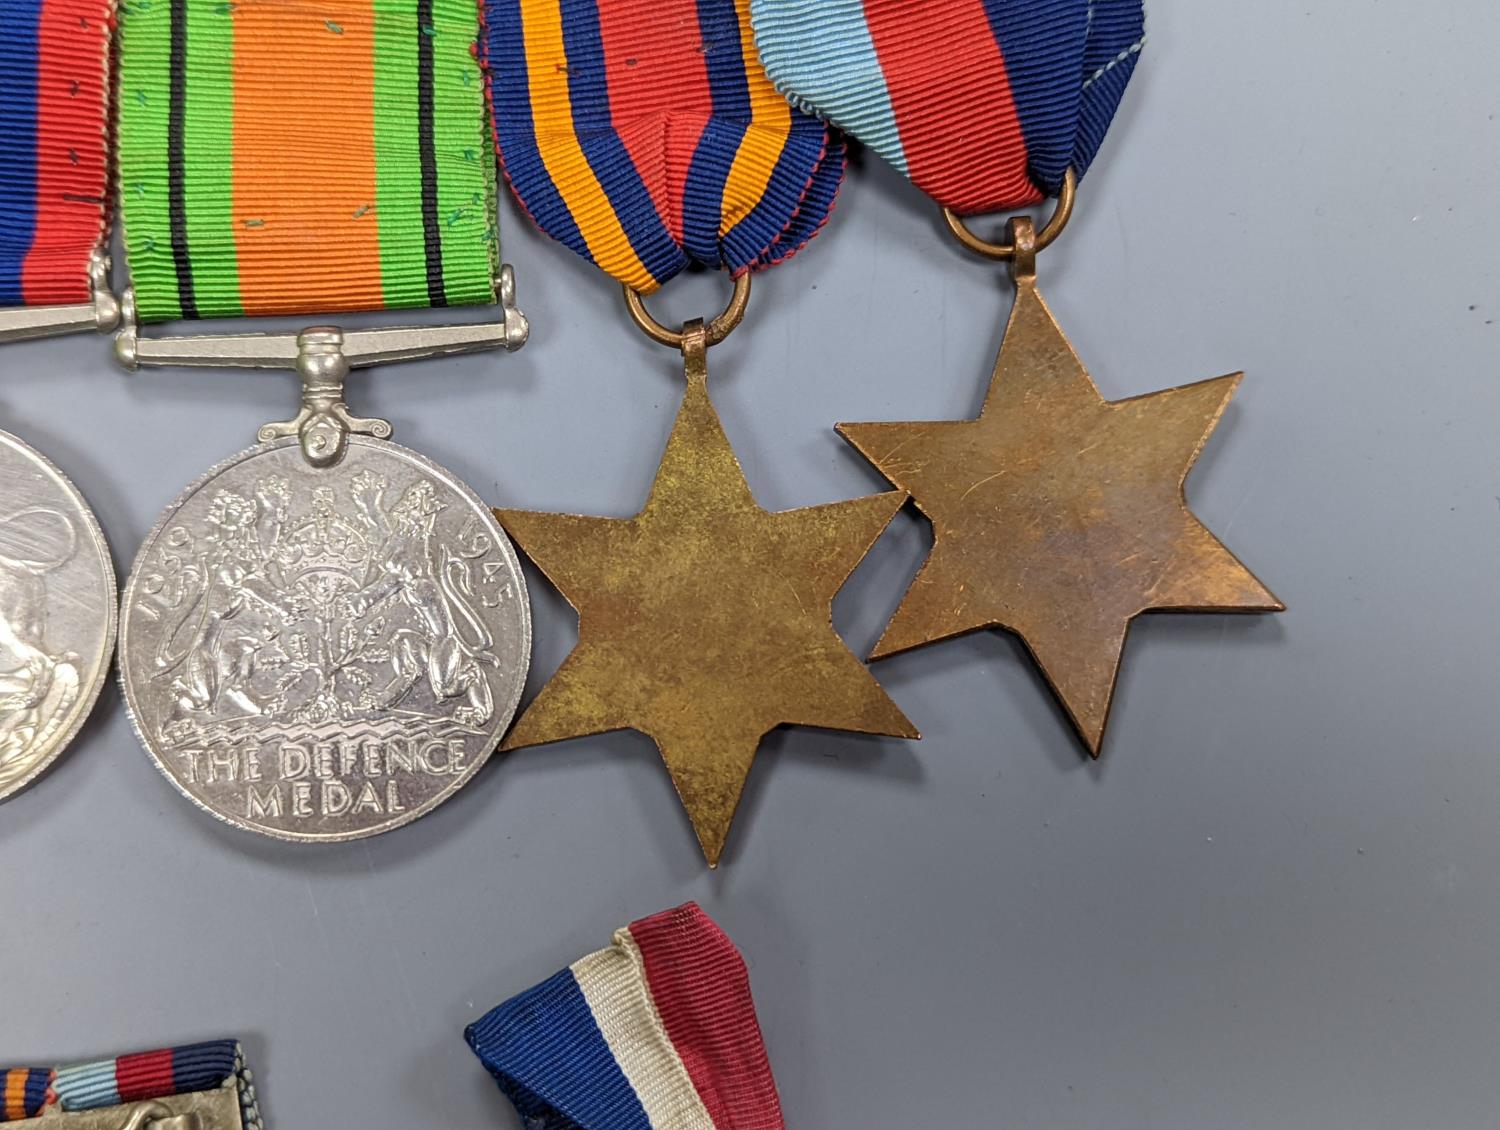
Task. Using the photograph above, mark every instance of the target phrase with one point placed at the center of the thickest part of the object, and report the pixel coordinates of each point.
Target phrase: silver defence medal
(327, 635)
(57, 613)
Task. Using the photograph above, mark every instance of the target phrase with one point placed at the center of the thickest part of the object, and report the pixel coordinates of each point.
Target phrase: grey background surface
(1276, 903)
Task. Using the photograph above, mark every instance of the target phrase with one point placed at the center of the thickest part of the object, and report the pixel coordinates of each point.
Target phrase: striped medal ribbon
(657, 1032)
(304, 158)
(54, 136)
(645, 135)
(985, 104)
(29, 1092)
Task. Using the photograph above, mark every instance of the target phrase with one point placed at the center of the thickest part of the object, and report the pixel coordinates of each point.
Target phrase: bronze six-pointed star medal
(705, 621)
(1057, 514)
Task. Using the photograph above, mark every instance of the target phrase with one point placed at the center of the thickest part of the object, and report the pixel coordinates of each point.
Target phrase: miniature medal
(1056, 514)
(704, 621)
(57, 583)
(203, 1086)
(324, 637)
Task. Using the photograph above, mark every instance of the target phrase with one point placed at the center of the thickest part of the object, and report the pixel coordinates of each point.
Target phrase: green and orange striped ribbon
(304, 156)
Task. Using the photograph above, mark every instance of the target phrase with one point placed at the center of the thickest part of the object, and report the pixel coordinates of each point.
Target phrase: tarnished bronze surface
(1058, 514)
(704, 621)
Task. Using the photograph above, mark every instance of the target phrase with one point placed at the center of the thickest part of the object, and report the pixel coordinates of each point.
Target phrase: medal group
(327, 635)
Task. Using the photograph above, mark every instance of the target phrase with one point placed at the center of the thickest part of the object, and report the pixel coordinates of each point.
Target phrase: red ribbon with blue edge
(985, 104)
(54, 136)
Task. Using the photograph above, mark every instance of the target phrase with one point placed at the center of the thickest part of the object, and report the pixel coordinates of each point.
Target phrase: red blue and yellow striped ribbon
(645, 135)
(54, 133)
(127, 1079)
(984, 104)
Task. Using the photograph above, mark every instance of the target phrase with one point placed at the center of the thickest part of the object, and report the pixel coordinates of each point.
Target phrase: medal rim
(109, 653)
(164, 520)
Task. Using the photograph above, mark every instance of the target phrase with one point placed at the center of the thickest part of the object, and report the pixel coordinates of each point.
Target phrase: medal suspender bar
(194, 1087)
(54, 81)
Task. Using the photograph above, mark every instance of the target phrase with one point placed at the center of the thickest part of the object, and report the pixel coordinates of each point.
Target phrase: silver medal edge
(111, 630)
(502, 541)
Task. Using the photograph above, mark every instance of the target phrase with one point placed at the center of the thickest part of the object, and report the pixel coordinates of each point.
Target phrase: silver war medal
(57, 583)
(327, 635)
(57, 613)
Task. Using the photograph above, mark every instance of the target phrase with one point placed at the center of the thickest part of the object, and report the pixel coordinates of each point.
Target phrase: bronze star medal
(1057, 514)
(704, 621)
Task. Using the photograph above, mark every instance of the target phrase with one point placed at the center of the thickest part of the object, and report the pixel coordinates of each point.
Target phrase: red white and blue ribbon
(657, 1032)
(645, 135)
(54, 135)
(26, 1091)
(984, 104)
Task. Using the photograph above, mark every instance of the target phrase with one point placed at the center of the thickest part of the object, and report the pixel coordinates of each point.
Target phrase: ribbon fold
(644, 135)
(657, 1032)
